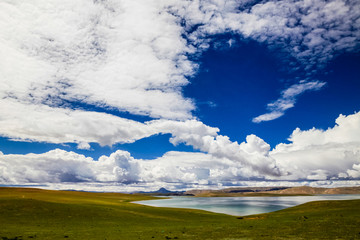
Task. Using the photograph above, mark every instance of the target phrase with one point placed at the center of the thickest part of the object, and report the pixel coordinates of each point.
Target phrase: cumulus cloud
(59, 166)
(288, 99)
(322, 154)
(220, 161)
(56, 125)
(83, 146)
(54, 166)
(252, 154)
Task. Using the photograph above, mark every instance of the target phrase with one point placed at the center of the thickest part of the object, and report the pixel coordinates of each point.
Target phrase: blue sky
(179, 94)
(242, 79)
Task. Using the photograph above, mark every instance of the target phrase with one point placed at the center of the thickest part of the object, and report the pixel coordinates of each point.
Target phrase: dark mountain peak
(163, 190)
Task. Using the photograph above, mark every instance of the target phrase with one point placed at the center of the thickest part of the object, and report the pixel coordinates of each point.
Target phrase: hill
(272, 191)
(316, 191)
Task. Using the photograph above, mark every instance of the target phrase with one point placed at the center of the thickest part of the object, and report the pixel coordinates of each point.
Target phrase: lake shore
(242, 206)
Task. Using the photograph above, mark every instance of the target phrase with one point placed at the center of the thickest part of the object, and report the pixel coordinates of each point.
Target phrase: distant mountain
(164, 192)
(315, 191)
(234, 191)
(272, 191)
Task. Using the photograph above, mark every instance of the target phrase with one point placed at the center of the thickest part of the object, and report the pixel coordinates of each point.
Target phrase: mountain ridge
(272, 191)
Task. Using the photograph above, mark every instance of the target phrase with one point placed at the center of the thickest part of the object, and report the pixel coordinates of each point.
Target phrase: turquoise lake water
(241, 206)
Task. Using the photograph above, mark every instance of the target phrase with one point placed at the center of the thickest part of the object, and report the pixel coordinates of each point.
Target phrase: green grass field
(42, 214)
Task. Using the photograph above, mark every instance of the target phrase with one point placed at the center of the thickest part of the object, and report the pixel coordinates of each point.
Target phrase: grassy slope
(40, 214)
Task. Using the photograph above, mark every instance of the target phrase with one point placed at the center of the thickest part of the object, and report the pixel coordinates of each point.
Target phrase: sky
(124, 95)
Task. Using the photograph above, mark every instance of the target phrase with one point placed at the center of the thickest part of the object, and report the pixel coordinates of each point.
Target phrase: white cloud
(118, 167)
(252, 154)
(59, 166)
(54, 166)
(42, 123)
(312, 32)
(84, 146)
(287, 100)
(322, 154)
(345, 131)
(99, 53)
(354, 172)
(268, 116)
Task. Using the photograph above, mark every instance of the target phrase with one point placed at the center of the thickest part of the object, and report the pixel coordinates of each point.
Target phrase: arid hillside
(272, 191)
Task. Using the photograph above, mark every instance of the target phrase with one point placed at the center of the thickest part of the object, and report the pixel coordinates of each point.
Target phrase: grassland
(41, 214)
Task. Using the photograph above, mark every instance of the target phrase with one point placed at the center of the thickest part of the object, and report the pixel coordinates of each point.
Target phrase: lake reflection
(241, 206)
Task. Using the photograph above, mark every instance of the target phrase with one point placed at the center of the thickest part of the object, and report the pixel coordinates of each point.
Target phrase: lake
(241, 206)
